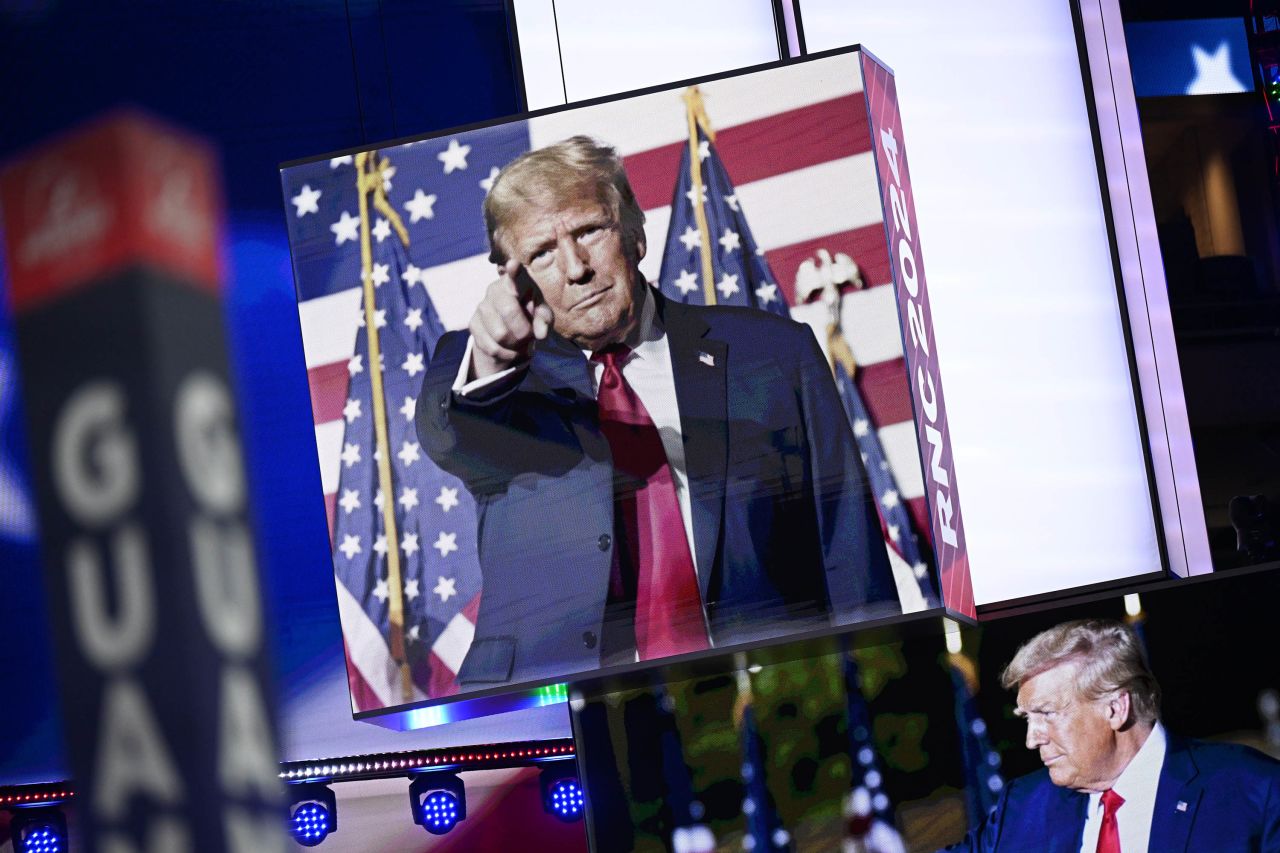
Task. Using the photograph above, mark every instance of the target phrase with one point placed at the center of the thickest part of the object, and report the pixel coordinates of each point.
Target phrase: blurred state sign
(112, 241)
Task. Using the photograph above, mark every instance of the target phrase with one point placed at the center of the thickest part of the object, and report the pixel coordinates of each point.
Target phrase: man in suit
(652, 478)
(1114, 780)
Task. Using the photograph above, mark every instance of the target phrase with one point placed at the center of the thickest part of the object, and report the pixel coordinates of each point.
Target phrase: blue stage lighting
(313, 813)
(39, 831)
(562, 793)
(439, 801)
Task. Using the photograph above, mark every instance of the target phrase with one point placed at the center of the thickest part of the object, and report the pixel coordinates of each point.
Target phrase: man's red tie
(654, 547)
(1109, 835)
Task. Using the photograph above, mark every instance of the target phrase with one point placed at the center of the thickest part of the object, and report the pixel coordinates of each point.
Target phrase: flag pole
(696, 113)
(369, 182)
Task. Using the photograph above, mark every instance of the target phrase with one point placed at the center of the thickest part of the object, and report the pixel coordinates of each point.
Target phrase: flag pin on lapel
(1182, 805)
(707, 358)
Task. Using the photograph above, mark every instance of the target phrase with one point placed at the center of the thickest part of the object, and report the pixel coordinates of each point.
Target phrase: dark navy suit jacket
(786, 535)
(1211, 797)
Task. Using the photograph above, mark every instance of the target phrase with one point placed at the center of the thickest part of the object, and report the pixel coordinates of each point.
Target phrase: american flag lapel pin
(707, 358)
(1182, 805)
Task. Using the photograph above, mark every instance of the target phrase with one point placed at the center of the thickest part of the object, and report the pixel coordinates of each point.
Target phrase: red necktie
(1109, 835)
(654, 549)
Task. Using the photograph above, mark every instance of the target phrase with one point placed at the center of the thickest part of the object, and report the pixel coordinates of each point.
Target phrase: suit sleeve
(1271, 818)
(859, 580)
(470, 438)
(983, 837)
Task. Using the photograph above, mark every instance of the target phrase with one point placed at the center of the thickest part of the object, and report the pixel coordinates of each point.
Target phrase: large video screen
(618, 383)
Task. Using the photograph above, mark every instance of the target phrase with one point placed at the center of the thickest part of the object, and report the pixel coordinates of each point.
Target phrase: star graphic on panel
(487, 183)
(350, 501)
(732, 201)
(1213, 71)
(409, 453)
(411, 590)
(350, 454)
(920, 570)
(351, 411)
(861, 427)
(411, 275)
(409, 544)
(381, 229)
(380, 545)
(350, 546)
(728, 285)
(420, 206)
(355, 364)
(408, 498)
(454, 157)
(767, 293)
(413, 319)
(448, 498)
(413, 364)
(377, 500)
(893, 532)
(446, 543)
(307, 200)
(687, 282)
(690, 238)
(730, 240)
(346, 228)
(380, 591)
(890, 499)
(445, 588)
(704, 149)
(335, 162)
(409, 408)
(381, 274)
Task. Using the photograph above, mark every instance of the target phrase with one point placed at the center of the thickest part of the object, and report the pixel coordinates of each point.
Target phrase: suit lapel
(1063, 820)
(698, 365)
(1177, 798)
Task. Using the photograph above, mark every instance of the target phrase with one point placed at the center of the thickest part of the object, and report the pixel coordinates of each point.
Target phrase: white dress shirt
(648, 371)
(1137, 785)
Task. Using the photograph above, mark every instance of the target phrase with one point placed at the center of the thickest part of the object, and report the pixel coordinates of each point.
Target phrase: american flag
(983, 782)
(868, 811)
(788, 136)
(764, 827)
(689, 833)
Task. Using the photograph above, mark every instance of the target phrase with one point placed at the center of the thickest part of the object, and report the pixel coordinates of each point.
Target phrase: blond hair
(1110, 656)
(558, 174)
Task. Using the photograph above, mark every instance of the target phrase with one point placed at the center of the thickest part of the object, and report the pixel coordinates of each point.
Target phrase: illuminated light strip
(24, 795)
(497, 756)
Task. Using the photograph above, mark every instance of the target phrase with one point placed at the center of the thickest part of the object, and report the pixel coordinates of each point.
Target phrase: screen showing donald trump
(620, 383)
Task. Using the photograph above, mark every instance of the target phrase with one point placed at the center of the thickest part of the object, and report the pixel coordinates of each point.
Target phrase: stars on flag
(379, 318)
(704, 149)
(411, 590)
(894, 533)
(411, 276)
(355, 364)
(335, 162)
(728, 285)
(691, 238)
(413, 319)
(730, 240)
(861, 427)
(377, 500)
(380, 274)
(767, 292)
(408, 498)
(409, 544)
(410, 452)
(351, 410)
(421, 206)
(486, 184)
(446, 588)
(307, 200)
(381, 229)
(687, 282)
(890, 499)
(380, 591)
(695, 197)
(380, 545)
(350, 546)
(448, 498)
(350, 501)
(446, 543)
(409, 408)
(413, 364)
(350, 454)
(454, 157)
(732, 201)
(346, 228)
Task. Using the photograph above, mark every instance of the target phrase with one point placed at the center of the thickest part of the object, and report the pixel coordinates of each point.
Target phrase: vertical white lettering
(208, 448)
(95, 455)
(942, 504)
(119, 641)
(890, 146)
(132, 759)
(928, 400)
(246, 753)
(165, 834)
(907, 266)
(933, 439)
(226, 585)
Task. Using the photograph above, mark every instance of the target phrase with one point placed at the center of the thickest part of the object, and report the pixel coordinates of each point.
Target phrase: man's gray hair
(560, 173)
(1110, 656)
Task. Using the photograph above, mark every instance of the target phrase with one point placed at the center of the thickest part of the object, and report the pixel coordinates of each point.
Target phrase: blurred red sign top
(124, 190)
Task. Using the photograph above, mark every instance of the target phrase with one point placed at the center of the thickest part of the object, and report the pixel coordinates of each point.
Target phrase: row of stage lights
(437, 800)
